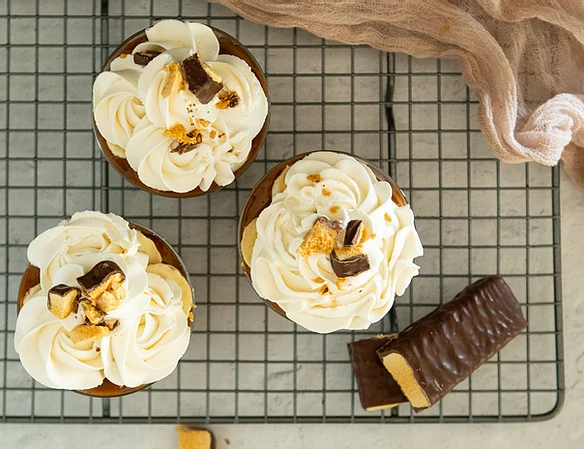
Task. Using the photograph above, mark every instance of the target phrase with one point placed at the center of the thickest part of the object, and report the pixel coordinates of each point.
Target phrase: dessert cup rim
(124, 390)
(280, 167)
(114, 160)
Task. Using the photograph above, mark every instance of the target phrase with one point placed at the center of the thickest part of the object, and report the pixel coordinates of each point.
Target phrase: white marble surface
(564, 432)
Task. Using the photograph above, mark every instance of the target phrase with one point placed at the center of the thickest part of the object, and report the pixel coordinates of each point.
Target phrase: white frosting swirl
(346, 189)
(152, 316)
(47, 353)
(132, 114)
(146, 350)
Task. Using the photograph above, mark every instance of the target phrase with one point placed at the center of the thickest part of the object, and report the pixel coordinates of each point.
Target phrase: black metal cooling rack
(414, 118)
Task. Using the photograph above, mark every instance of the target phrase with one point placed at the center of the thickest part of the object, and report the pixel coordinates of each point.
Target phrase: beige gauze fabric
(524, 58)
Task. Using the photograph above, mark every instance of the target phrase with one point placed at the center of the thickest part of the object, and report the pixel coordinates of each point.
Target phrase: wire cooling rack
(414, 118)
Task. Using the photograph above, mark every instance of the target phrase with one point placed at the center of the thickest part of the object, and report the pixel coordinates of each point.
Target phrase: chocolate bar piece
(193, 438)
(105, 275)
(144, 57)
(434, 354)
(321, 237)
(377, 389)
(62, 300)
(201, 80)
(351, 266)
(352, 234)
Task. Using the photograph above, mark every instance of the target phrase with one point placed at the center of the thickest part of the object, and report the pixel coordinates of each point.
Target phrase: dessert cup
(228, 45)
(31, 278)
(261, 197)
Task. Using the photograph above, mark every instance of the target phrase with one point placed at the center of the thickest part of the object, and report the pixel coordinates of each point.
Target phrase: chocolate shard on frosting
(434, 354)
(105, 277)
(201, 80)
(144, 57)
(351, 266)
(353, 233)
(377, 389)
(62, 300)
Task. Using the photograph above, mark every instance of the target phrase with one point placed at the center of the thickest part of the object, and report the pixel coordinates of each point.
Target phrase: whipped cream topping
(151, 319)
(306, 288)
(132, 114)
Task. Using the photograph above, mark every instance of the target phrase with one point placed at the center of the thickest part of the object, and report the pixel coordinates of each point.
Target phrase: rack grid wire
(414, 118)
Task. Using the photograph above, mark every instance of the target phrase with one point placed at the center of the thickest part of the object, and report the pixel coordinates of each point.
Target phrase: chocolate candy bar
(144, 57)
(352, 234)
(351, 266)
(62, 300)
(434, 354)
(377, 389)
(202, 82)
(105, 275)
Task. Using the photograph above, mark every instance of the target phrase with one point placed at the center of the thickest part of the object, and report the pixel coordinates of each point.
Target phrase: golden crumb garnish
(387, 217)
(318, 280)
(179, 133)
(175, 81)
(323, 290)
(340, 282)
(228, 100)
(326, 192)
(202, 123)
(314, 178)
(213, 134)
(123, 55)
(334, 209)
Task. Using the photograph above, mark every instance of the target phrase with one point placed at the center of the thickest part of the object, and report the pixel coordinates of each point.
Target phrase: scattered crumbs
(314, 178)
(334, 209)
(323, 290)
(326, 192)
(213, 134)
(387, 217)
(202, 123)
(340, 282)
(98, 349)
(221, 135)
(228, 100)
(361, 291)
(123, 55)
(318, 280)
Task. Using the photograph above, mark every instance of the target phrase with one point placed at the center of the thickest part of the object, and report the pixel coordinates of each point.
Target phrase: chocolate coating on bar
(353, 233)
(99, 274)
(200, 80)
(144, 57)
(377, 389)
(446, 346)
(352, 266)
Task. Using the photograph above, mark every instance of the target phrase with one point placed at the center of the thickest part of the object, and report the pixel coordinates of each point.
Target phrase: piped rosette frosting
(332, 249)
(183, 115)
(105, 307)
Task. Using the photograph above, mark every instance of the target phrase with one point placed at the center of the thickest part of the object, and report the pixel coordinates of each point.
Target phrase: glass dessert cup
(227, 45)
(261, 197)
(107, 389)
